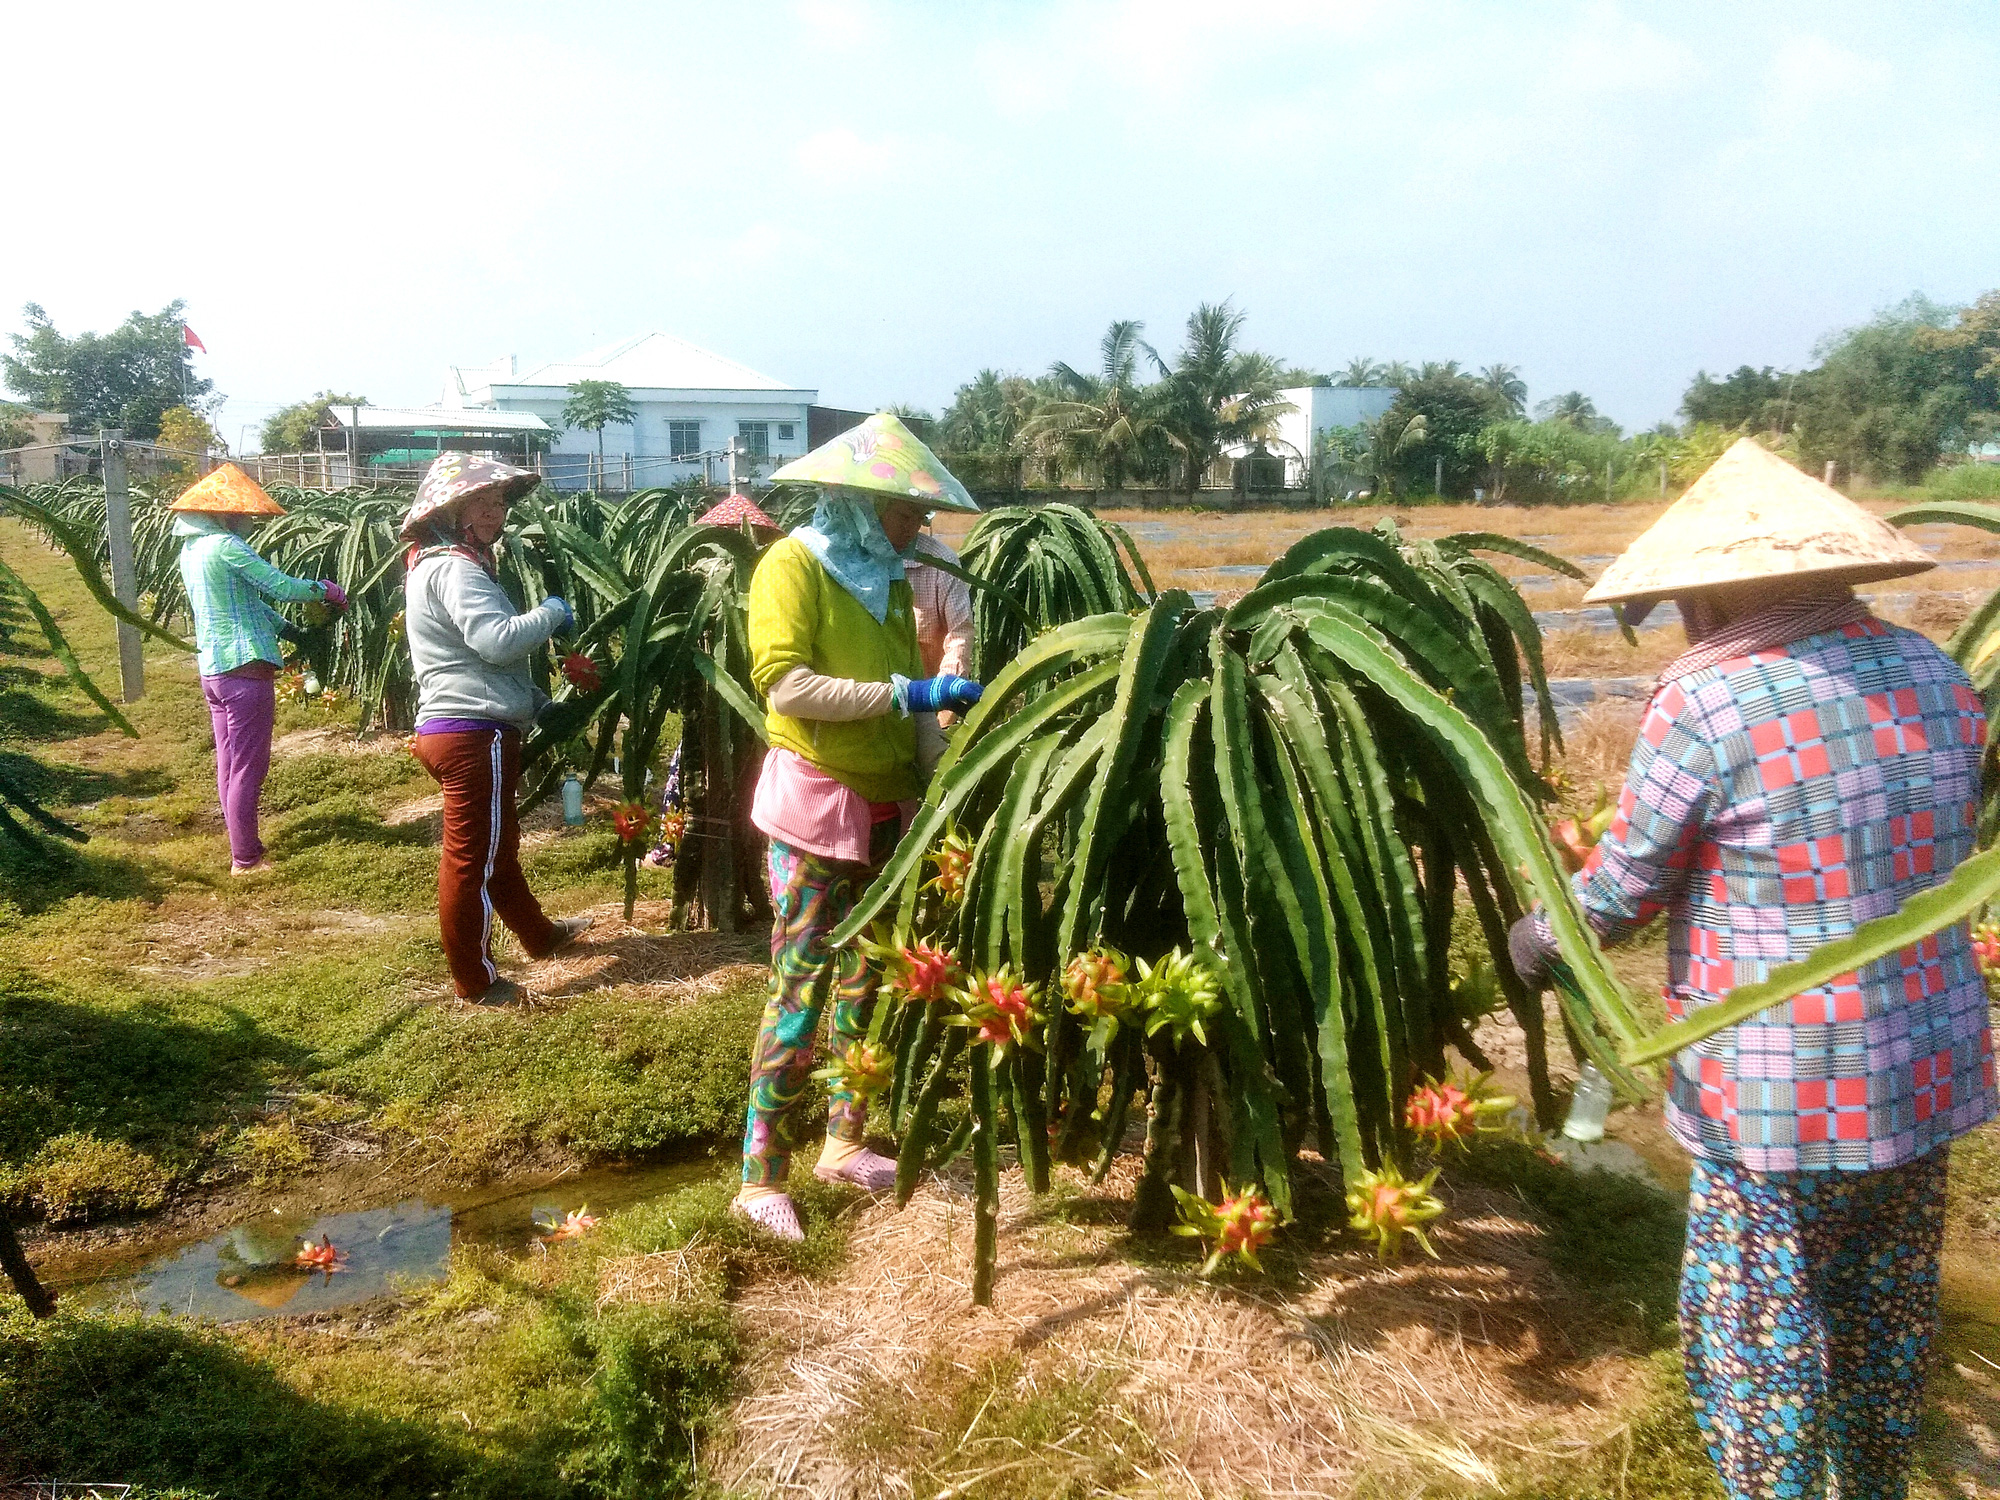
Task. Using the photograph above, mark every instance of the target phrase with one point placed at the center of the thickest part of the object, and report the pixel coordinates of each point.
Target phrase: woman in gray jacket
(475, 699)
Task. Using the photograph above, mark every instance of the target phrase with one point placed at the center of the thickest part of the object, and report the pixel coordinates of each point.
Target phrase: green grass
(514, 1378)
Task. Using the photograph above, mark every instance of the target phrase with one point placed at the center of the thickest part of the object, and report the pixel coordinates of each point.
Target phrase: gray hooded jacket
(468, 646)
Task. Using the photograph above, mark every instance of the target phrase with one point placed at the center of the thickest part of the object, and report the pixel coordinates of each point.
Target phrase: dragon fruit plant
(1576, 837)
(1097, 985)
(863, 1070)
(1001, 1005)
(582, 672)
(1451, 1112)
(1179, 993)
(630, 819)
(1241, 1225)
(673, 826)
(1986, 947)
(953, 858)
(1388, 1206)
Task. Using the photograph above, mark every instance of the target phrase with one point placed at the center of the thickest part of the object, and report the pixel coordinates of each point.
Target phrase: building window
(785, 431)
(756, 437)
(683, 438)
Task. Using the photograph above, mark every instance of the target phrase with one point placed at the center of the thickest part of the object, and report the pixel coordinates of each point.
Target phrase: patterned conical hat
(452, 476)
(1750, 516)
(735, 510)
(883, 457)
(228, 491)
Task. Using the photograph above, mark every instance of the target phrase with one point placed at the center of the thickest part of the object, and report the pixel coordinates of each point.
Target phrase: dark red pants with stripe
(479, 875)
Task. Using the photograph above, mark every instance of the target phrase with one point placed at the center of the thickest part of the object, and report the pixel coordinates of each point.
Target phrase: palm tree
(1572, 409)
(1397, 373)
(1102, 419)
(1390, 436)
(1438, 369)
(1360, 371)
(1505, 382)
(1213, 395)
(594, 405)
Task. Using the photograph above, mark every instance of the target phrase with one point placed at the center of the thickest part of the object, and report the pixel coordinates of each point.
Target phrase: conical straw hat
(228, 492)
(1752, 515)
(885, 457)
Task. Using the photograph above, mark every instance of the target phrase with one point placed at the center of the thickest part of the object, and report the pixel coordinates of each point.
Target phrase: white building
(1315, 409)
(688, 402)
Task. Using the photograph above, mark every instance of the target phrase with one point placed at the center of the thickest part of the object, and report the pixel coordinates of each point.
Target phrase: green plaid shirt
(227, 584)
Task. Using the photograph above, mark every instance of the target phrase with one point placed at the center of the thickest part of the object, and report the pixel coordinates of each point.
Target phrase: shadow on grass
(131, 1073)
(161, 1403)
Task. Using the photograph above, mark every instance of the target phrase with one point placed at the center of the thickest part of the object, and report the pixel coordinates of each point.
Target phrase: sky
(878, 199)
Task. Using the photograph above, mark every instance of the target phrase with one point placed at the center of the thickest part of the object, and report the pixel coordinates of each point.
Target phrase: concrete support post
(124, 572)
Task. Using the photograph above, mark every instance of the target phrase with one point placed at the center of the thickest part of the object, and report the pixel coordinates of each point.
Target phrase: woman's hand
(927, 695)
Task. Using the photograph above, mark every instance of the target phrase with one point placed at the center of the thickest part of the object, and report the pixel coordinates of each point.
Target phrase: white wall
(1319, 407)
(647, 440)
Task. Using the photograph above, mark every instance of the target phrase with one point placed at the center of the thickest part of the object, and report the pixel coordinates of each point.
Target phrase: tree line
(1916, 386)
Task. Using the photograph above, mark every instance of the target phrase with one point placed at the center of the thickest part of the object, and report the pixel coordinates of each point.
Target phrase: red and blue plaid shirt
(1775, 801)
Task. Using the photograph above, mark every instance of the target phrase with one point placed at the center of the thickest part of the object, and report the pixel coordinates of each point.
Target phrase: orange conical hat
(1752, 515)
(228, 492)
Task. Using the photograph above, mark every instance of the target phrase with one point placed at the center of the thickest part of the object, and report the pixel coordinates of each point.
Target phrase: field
(183, 1056)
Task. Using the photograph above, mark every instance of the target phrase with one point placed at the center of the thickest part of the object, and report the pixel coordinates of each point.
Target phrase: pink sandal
(868, 1171)
(773, 1214)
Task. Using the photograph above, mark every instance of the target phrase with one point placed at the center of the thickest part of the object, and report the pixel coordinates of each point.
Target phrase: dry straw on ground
(1209, 1390)
(674, 966)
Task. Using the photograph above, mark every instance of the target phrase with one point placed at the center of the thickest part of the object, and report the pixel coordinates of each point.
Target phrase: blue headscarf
(846, 536)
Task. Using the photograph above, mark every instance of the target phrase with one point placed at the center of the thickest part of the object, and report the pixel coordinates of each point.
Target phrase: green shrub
(1962, 482)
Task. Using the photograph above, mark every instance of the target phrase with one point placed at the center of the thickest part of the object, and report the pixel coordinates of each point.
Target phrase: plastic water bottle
(572, 795)
(312, 683)
(1588, 1106)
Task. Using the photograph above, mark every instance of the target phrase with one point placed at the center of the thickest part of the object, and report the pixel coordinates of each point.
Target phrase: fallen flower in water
(320, 1257)
(573, 1225)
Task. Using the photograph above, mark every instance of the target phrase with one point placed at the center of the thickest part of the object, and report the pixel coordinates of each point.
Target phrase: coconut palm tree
(1359, 372)
(1102, 419)
(1505, 382)
(1397, 373)
(1571, 408)
(1438, 369)
(1213, 395)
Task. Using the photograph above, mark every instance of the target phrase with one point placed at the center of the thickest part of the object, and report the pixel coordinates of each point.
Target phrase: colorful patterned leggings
(810, 896)
(1808, 1301)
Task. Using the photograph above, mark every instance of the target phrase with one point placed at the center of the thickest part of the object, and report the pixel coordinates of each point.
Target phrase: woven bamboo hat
(228, 492)
(1752, 515)
(883, 457)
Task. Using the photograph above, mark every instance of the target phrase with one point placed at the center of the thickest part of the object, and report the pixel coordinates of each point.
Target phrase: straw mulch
(1425, 1367)
(673, 966)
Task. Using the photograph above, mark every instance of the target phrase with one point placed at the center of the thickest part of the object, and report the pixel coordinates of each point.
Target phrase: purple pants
(242, 710)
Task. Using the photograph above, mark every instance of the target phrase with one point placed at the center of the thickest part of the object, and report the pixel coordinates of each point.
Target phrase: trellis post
(124, 573)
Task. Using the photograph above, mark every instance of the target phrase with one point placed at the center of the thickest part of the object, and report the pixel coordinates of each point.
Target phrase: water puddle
(266, 1267)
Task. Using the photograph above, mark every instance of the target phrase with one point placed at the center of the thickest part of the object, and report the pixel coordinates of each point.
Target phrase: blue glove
(927, 695)
(568, 615)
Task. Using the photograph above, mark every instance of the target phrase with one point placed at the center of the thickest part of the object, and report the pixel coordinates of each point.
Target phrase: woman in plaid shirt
(1801, 769)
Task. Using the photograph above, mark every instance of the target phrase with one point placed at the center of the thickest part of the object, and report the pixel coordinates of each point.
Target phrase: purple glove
(1530, 953)
(333, 593)
(927, 695)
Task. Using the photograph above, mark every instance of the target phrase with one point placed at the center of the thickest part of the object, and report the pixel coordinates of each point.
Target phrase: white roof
(653, 361)
(478, 419)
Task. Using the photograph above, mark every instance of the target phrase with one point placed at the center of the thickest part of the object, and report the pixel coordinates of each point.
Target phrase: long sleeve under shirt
(468, 645)
(227, 585)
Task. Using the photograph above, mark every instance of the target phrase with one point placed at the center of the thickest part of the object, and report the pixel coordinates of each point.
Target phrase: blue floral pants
(1808, 1302)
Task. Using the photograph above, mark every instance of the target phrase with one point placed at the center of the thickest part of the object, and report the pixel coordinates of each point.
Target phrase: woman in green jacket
(852, 726)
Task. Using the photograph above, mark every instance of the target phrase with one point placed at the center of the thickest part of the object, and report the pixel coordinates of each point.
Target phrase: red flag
(191, 340)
